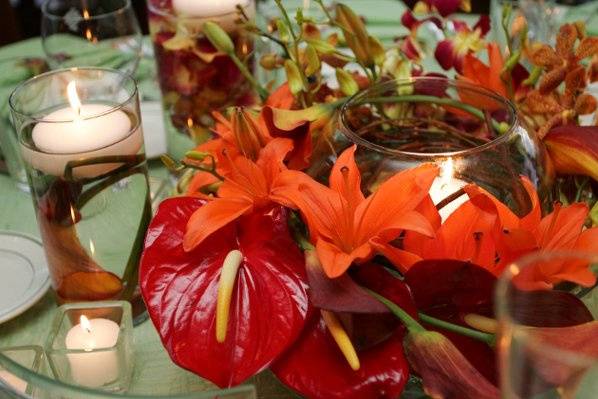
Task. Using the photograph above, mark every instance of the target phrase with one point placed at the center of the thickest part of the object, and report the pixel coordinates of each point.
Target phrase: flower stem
(470, 109)
(409, 322)
(263, 93)
(468, 332)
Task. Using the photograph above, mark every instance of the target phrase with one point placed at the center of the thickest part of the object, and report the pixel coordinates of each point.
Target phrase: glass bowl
(473, 134)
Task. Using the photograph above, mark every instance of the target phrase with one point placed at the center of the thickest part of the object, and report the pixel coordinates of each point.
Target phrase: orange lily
(248, 186)
(561, 230)
(488, 76)
(346, 227)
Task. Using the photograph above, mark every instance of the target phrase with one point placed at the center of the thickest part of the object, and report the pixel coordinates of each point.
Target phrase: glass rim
(125, 7)
(354, 137)
(502, 303)
(163, 12)
(44, 382)
(112, 108)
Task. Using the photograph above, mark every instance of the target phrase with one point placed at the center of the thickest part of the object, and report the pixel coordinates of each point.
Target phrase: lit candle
(78, 132)
(444, 185)
(93, 368)
(221, 11)
(13, 381)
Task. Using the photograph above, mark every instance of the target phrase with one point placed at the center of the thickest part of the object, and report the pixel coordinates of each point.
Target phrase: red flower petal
(316, 368)
(180, 290)
(444, 54)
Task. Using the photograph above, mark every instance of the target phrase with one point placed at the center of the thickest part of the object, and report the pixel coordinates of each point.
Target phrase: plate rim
(40, 292)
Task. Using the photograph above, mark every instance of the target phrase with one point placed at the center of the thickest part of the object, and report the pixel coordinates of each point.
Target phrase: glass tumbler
(81, 140)
(100, 33)
(194, 77)
(547, 342)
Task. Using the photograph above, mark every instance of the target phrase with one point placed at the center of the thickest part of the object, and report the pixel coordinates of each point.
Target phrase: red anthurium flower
(346, 227)
(223, 337)
(574, 149)
(248, 187)
(317, 369)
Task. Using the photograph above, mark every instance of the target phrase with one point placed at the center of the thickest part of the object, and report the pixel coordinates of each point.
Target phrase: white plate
(24, 277)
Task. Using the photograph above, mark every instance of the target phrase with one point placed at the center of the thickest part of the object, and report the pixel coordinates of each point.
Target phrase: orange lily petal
(210, 218)
(401, 193)
(411, 221)
(402, 259)
(494, 73)
(200, 179)
(562, 227)
(335, 261)
(271, 158)
(346, 179)
(246, 181)
(588, 241)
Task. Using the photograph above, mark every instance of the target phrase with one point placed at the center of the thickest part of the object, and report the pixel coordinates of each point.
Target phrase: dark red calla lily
(316, 368)
(269, 303)
(449, 290)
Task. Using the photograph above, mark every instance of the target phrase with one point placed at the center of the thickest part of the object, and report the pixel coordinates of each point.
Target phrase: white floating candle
(78, 132)
(93, 368)
(206, 8)
(444, 185)
(13, 381)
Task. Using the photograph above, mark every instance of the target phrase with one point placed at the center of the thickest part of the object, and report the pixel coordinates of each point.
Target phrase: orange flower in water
(248, 186)
(346, 227)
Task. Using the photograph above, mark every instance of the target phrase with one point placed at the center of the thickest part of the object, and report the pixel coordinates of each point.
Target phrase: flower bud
(294, 77)
(269, 61)
(218, 37)
(346, 82)
(313, 60)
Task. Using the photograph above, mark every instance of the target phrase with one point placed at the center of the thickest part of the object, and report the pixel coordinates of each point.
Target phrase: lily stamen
(230, 267)
(341, 338)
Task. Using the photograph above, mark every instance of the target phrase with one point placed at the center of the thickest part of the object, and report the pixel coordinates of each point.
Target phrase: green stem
(470, 109)
(87, 195)
(131, 273)
(126, 159)
(468, 332)
(263, 93)
(409, 322)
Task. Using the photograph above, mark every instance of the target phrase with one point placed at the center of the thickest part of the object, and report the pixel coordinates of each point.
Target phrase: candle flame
(85, 324)
(447, 172)
(73, 97)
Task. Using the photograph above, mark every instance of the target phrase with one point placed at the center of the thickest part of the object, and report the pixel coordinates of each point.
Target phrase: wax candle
(78, 132)
(95, 367)
(446, 184)
(13, 381)
(206, 8)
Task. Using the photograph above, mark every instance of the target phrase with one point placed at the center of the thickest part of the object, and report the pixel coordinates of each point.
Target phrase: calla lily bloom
(248, 187)
(445, 371)
(346, 227)
(215, 301)
(574, 149)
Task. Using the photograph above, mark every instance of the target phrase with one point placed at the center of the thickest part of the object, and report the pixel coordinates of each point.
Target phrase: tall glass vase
(80, 137)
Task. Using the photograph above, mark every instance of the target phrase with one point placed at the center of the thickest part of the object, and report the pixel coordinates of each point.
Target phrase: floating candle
(446, 184)
(206, 8)
(95, 367)
(81, 131)
(13, 381)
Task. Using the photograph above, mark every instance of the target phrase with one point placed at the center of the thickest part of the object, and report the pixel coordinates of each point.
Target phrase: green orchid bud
(355, 33)
(283, 31)
(377, 50)
(313, 60)
(347, 84)
(296, 84)
(321, 46)
(218, 37)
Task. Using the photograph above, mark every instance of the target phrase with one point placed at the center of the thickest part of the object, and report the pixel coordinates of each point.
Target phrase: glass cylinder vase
(81, 140)
(472, 134)
(194, 77)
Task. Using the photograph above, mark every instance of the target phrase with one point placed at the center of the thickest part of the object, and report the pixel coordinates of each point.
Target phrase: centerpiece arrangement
(348, 253)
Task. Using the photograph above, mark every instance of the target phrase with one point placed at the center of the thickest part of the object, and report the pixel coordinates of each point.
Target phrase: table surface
(16, 210)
